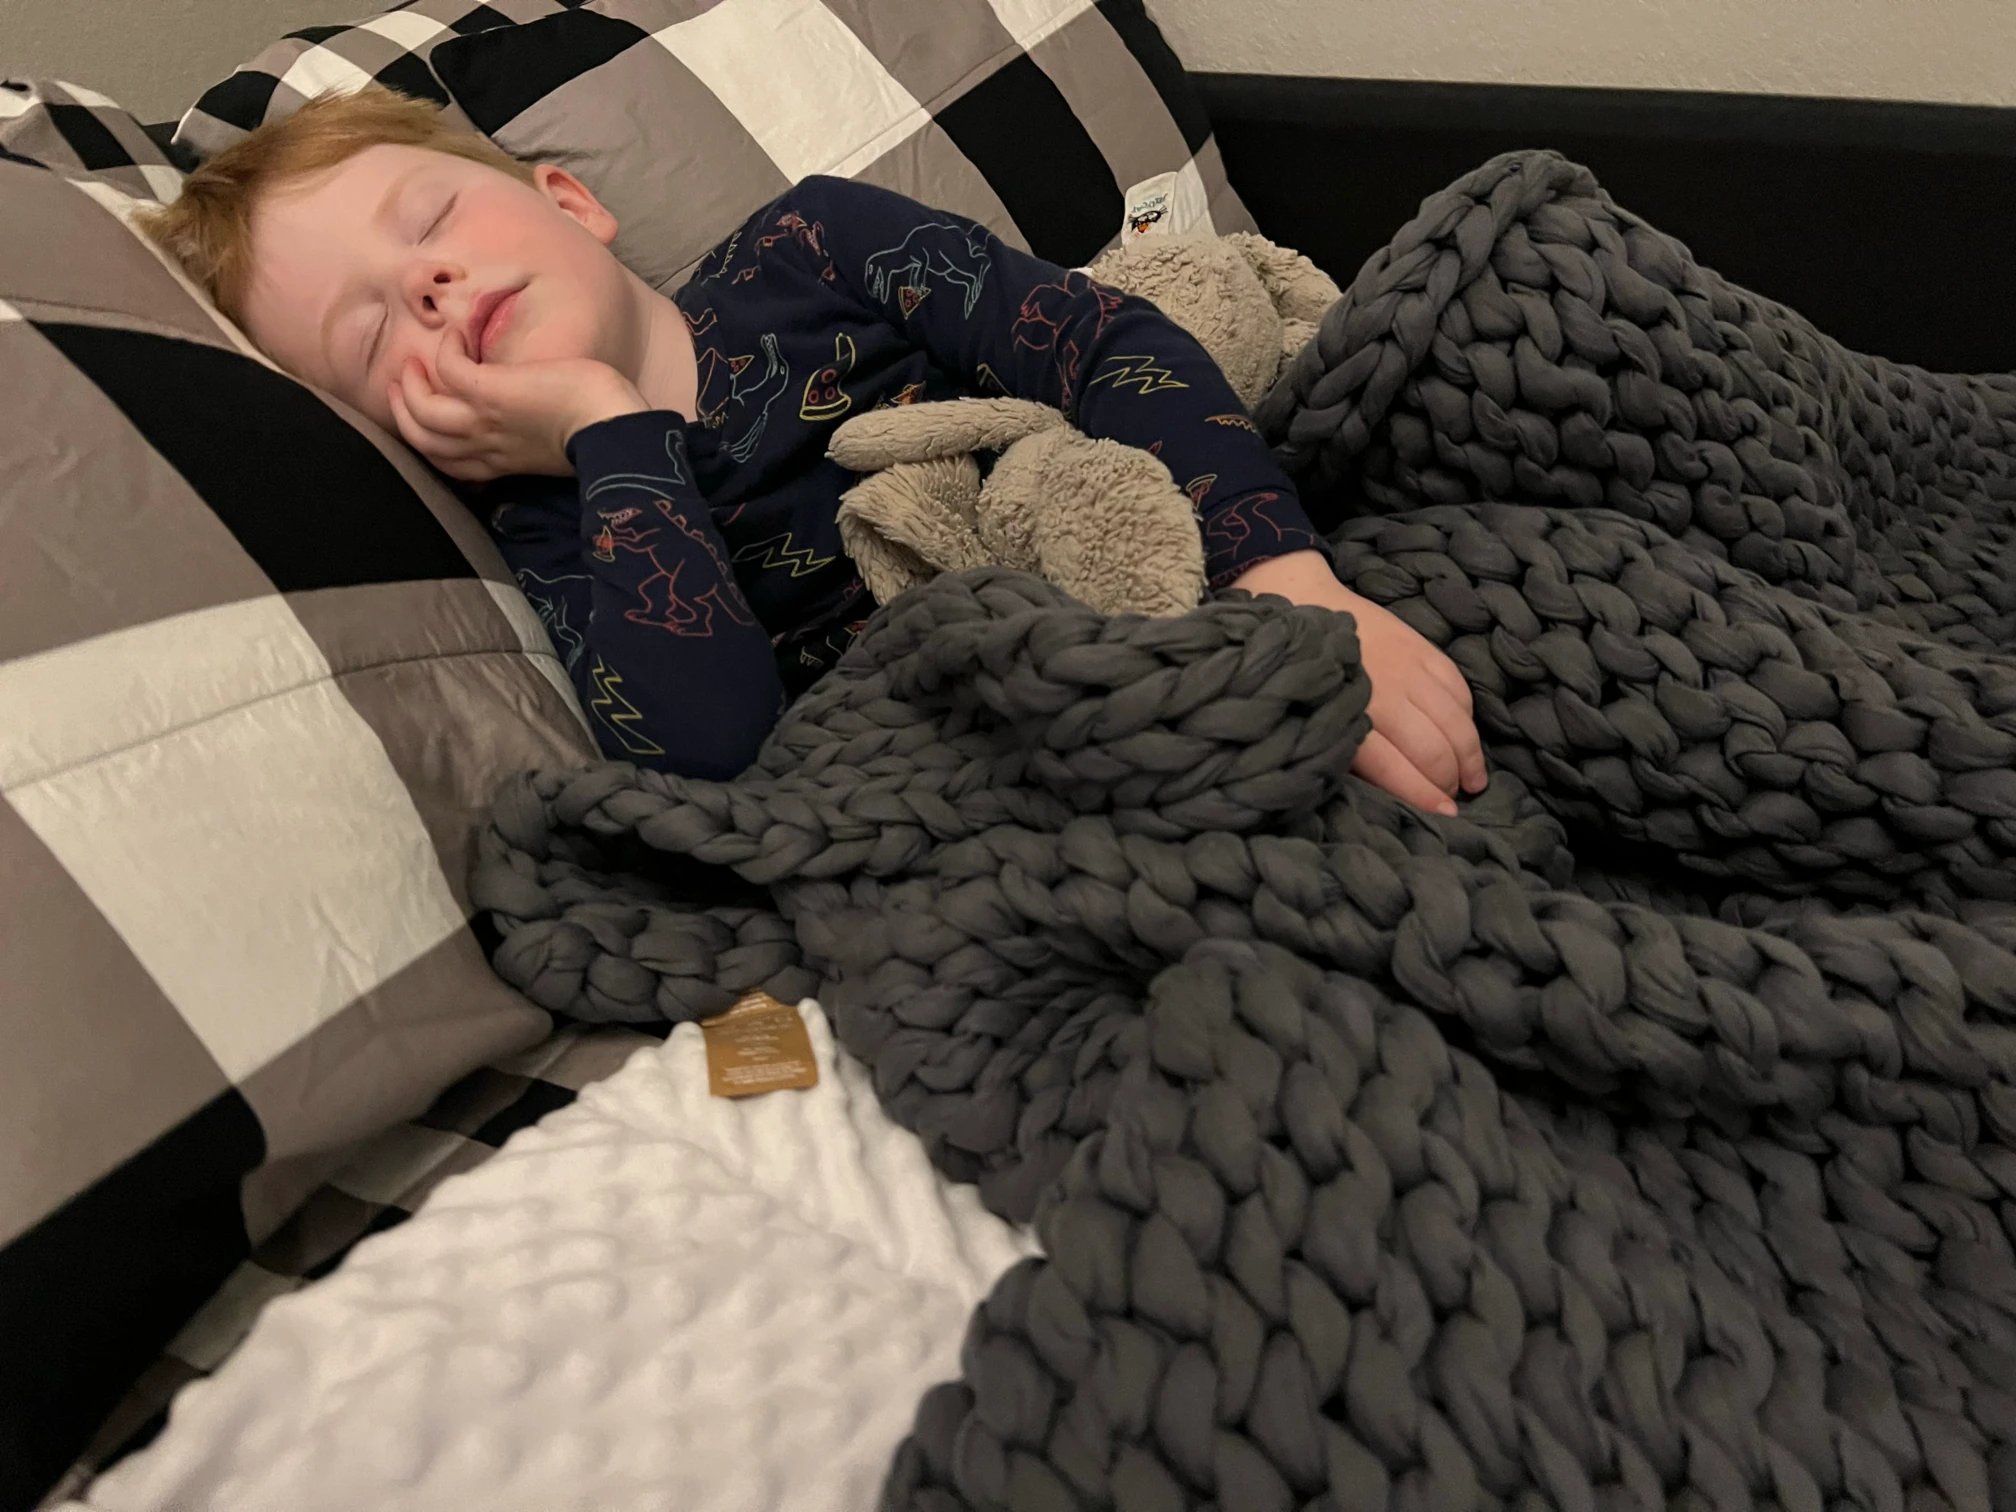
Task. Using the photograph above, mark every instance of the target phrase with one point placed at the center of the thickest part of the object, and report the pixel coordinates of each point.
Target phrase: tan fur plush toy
(1103, 521)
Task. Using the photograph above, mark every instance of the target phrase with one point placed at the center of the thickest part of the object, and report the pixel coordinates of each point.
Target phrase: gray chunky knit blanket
(1640, 1138)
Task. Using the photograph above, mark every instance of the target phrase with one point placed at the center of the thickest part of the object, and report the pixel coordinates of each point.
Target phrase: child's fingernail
(1446, 808)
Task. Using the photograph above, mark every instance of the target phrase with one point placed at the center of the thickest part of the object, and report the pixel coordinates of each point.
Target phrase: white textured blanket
(652, 1299)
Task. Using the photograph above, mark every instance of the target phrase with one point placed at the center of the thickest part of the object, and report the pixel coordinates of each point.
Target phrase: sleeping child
(654, 468)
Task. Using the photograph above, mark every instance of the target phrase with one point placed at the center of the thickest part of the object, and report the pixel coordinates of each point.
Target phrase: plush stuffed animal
(1103, 521)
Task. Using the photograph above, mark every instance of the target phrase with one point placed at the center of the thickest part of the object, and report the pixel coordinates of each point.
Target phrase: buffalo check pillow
(81, 134)
(1045, 120)
(259, 675)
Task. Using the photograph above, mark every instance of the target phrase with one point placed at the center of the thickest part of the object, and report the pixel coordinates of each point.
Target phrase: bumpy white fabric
(653, 1298)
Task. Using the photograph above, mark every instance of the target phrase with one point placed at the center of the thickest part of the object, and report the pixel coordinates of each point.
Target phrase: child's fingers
(432, 445)
(1381, 764)
(465, 461)
(479, 469)
(1459, 726)
(410, 430)
(1450, 676)
(460, 373)
(438, 412)
(1421, 741)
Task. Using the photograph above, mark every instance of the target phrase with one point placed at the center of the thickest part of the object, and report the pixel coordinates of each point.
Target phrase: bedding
(651, 1298)
(259, 673)
(380, 1184)
(82, 134)
(1055, 120)
(1048, 121)
(1661, 1177)
(1639, 1137)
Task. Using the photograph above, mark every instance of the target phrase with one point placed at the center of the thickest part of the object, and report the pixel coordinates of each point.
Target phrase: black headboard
(1891, 226)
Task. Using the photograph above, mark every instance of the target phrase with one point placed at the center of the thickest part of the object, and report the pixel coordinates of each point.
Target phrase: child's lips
(492, 319)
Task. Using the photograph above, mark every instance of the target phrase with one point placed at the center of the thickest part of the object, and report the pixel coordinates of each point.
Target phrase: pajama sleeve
(1009, 323)
(633, 582)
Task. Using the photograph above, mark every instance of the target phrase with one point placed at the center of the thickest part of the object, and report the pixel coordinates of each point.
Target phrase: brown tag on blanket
(759, 1045)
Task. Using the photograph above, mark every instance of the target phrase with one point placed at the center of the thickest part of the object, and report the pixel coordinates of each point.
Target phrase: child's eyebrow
(383, 215)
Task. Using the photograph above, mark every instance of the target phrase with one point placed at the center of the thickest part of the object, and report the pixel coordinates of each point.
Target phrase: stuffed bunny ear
(1300, 290)
(943, 428)
(911, 522)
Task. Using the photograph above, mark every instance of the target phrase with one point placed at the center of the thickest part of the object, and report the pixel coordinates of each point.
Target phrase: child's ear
(576, 200)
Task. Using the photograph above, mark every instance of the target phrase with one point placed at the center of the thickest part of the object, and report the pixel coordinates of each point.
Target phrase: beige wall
(1954, 50)
(155, 55)
(152, 56)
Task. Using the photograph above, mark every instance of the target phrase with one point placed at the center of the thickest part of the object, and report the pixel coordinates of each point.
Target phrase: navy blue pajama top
(691, 575)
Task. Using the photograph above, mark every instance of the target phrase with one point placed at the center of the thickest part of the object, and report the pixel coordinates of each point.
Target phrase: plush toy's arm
(881, 438)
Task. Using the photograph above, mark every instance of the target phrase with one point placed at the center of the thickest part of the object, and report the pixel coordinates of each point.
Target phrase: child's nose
(430, 292)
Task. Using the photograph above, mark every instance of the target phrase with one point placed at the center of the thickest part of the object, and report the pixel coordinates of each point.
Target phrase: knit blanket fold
(1640, 1137)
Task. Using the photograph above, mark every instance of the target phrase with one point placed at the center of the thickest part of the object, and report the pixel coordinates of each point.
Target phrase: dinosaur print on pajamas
(660, 602)
(937, 251)
(725, 386)
(1045, 313)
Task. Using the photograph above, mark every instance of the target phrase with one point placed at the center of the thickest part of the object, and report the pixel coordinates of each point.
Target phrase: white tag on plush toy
(1169, 204)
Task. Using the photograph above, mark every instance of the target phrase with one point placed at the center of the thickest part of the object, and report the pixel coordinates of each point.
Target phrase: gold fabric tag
(759, 1045)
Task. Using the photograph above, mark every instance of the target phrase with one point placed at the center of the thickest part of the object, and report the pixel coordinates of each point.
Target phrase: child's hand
(478, 421)
(1424, 742)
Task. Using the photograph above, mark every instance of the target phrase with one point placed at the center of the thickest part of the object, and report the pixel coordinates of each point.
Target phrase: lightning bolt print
(1142, 372)
(776, 551)
(617, 712)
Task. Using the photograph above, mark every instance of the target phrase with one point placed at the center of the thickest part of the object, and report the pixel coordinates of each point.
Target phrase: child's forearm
(678, 674)
(1146, 382)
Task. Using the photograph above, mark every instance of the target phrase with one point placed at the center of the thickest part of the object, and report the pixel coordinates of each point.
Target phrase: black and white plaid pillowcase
(1048, 120)
(81, 134)
(393, 49)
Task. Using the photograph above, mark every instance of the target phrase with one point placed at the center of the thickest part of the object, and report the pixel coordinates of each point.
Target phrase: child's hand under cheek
(478, 421)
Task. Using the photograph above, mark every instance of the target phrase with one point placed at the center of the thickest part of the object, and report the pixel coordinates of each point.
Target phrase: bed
(618, 1291)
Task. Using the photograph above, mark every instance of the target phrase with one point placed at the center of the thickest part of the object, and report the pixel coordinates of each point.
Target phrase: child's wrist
(1303, 577)
(610, 404)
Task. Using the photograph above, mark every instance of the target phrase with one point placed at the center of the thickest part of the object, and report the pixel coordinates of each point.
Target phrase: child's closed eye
(435, 224)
